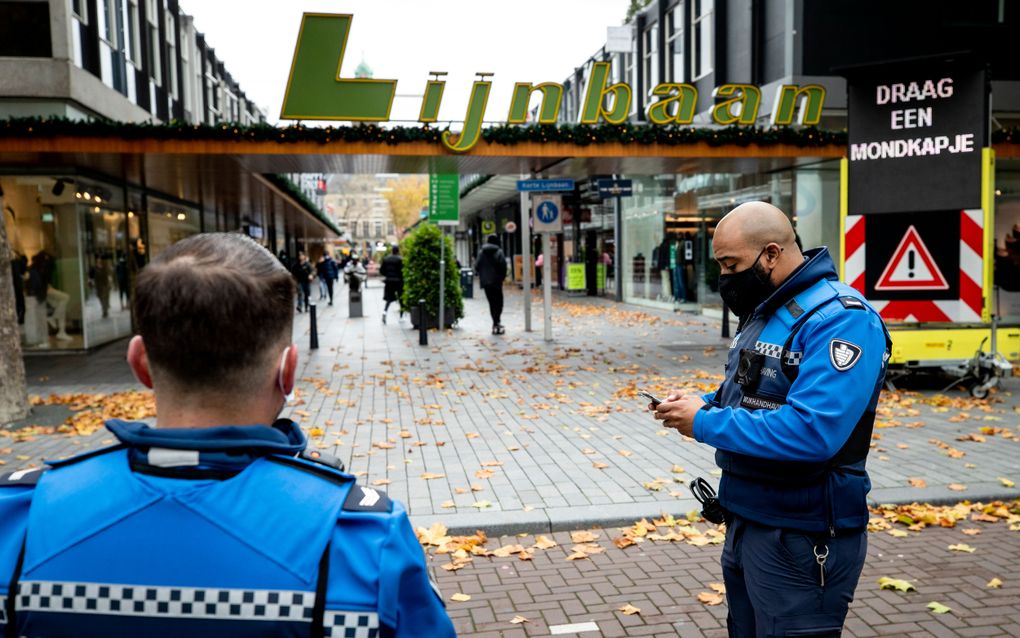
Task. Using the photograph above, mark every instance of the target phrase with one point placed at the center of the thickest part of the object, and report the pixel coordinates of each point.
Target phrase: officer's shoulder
(315, 464)
(844, 300)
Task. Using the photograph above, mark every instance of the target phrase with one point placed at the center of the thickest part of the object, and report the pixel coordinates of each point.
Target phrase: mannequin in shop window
(676, 272)
(661, 257)
(123, 281)
(100, 276)
(43, 294)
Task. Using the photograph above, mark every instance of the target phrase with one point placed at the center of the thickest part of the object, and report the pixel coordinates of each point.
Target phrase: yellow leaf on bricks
(481, 505)
(917, 482)
(583, 536)
(718, 588)
(383, 445)
(994, 583)
(460, 598)
(896, 584)
(938, 608)
(625, 452)
(1006, 482)
(314, 432)
(577, 556)
(544, 542)
(491, 463)
(516, 620)
(484, 474)
(379, 482)
(957, 487)
(428, 476)
(678, 470)
(600, 466)
(710, 598)
(629, 610)
(447, 504)
(898, 533)
(404, 434)
(962, 547)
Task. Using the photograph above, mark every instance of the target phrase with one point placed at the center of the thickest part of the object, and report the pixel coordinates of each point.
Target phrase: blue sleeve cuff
(698, 429)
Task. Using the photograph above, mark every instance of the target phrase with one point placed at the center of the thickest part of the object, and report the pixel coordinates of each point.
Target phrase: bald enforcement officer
(791, 424)
(217, 522)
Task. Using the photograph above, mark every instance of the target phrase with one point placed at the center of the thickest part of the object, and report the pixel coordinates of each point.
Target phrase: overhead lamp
(99, 200)
(78, 194)
(181, 216)
(131, 213)
(87, 195)
(58, 186)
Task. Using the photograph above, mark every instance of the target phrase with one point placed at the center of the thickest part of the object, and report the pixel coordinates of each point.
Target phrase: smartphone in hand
(651, 397)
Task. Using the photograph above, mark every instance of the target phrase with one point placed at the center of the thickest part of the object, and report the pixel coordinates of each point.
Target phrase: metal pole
(442, 276)
(423, 327)
(313, 328)
(526, 256)
(618, 250)
(547, 286)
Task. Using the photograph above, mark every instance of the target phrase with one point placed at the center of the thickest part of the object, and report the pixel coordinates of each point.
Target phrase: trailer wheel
(979, 391)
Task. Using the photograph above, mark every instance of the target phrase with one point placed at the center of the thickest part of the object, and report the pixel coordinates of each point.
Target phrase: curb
(564, 519)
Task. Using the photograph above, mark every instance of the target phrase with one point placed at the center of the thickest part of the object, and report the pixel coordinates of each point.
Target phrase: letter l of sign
(315, 90)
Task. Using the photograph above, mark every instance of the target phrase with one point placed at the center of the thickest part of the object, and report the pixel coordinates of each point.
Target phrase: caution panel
(918, 267)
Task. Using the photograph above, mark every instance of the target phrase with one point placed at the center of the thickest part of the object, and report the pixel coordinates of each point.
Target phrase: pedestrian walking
(392, 271)
(303, 274)
(491, 268)
(326, 269)
(218, 521)
(791, 425)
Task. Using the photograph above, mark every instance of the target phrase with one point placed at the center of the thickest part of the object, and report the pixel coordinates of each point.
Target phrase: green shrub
(420, 250)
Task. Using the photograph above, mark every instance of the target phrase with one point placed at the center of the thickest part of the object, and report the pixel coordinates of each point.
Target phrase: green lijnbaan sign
(315, 91)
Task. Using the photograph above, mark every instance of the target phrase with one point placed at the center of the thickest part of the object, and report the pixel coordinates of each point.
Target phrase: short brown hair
(210, 309)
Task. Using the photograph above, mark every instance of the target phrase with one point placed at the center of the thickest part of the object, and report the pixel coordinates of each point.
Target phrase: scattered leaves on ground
(895, 584)
(629, 610)
(938, 608)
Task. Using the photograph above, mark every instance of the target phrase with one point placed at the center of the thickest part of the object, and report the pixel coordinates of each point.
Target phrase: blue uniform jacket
(208, 532)
(792, 443)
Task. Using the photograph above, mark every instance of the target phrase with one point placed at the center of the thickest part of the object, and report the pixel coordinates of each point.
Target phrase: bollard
(725, 322)
(423, 328)
(313, 327)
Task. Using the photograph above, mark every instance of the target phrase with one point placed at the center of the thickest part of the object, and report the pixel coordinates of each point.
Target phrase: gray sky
(519, 41)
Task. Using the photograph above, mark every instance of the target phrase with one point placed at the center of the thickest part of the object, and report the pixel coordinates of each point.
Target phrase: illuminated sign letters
(315, 91)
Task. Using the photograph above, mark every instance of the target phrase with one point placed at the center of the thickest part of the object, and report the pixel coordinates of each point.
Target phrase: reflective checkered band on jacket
(190, 602)
(351, 624)
(776, 351)
(3, 610)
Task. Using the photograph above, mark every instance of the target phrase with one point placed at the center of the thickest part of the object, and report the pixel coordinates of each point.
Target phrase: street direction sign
(444, 199)
(615, 188)
(544, 185)
(548, 213)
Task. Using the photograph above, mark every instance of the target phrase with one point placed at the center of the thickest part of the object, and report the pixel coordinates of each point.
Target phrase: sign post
(444, 210)
(548, 219)
(525, 186)
(526, 257)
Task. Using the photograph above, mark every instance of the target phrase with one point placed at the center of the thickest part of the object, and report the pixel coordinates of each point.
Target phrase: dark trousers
(494, 294)
(304, 294)
(773, 581)
(329, 287)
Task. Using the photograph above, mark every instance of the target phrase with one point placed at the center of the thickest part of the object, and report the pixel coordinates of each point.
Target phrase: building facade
(359, 206)
(79, 234)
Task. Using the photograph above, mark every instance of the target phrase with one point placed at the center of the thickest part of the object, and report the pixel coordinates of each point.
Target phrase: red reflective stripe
(971, 234)
(858, 283)
(971, 293)
(855, 237)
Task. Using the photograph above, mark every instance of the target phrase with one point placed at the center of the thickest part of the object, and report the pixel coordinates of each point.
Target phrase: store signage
(915, 137)
(315, 91)
(615, 188)
(576, 277)
(488, 227)
(444, 199)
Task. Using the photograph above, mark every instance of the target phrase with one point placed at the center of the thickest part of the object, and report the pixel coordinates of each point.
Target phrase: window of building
(675, 44)
(133, 50)
(79, 12)
(701, 38)
(378, 229)
(390, 229)
(171, 53)
(108, 23)
(155, 43)
(651, 61)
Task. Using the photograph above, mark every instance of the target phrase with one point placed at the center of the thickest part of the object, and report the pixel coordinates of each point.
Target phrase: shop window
(168, 223)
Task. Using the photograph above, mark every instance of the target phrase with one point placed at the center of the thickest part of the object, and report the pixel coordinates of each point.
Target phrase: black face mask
(742, 292)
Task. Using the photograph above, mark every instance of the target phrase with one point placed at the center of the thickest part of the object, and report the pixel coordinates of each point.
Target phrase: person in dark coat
(490, 267)
(392, 271)
(328, 272)
(303, 274)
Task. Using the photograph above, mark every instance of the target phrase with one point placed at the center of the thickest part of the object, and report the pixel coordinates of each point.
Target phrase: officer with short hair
(791, 425)
(217, 522)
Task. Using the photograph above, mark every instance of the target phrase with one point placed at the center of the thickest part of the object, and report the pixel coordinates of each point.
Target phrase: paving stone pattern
(544, 414)
(664, 579)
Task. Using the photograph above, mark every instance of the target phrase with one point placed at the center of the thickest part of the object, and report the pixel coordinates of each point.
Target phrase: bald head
(753, 230)
(757, 224)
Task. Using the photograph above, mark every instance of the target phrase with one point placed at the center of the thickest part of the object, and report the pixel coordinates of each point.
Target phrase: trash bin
(467, 282)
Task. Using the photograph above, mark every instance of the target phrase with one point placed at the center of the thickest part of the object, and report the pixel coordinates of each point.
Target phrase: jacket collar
(222, 448)
(817, 266)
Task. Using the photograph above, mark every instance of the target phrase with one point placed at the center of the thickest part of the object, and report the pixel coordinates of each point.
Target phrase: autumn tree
(407, 195)
(13, 393)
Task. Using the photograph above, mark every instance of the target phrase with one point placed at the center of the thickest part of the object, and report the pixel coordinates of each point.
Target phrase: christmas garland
(505, 135)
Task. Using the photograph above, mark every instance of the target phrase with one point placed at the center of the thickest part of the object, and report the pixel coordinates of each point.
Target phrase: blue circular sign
(547, 212)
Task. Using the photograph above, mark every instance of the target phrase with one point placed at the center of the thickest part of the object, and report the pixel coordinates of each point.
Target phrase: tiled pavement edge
(535, 436)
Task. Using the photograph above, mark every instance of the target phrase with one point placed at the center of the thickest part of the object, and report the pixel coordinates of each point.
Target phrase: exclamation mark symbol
(910, 263)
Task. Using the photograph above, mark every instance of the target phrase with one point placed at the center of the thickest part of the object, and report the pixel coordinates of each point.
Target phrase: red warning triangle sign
(912, 267)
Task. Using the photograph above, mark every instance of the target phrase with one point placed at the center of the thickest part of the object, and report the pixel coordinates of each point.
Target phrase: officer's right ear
(287, 373)
(138, 359)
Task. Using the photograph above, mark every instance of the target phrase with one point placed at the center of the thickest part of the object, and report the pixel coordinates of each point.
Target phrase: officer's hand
(679, 413)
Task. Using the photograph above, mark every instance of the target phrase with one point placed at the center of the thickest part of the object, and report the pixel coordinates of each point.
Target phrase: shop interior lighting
(99, 200)
(78, 194)
(96, 209)
(181, 216)
(131, 213)
(87, 195)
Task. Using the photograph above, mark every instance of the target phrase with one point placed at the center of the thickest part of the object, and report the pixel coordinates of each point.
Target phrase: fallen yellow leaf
(917, 482)
(961, 547)
(994, 583)
(516, 620)
(629, 610)
(460, 598)
(710, 598)
(543, 542)
(583, 536)
(718, 588)
(895, 583)
(957, 487)
(1006, 482)
(938, 608)
(432, 475)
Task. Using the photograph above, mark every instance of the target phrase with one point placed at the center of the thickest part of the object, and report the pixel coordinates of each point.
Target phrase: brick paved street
(518, 435)
(664, 579)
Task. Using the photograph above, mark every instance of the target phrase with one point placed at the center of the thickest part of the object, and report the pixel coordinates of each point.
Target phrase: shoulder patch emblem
(843, 354)
(22, 478)
(852, 302)
(366, 499)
